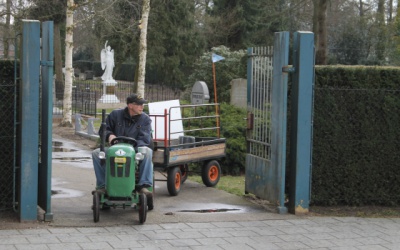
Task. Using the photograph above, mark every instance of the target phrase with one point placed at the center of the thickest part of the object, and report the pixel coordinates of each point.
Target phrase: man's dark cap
(134, 98)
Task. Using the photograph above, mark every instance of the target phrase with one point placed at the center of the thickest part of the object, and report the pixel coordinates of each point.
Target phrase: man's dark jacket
(120, 123)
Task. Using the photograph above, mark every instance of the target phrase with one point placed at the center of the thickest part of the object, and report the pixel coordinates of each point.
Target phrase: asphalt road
(73, 180)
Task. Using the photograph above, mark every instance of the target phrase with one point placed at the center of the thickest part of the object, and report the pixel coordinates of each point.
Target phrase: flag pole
(215, 100)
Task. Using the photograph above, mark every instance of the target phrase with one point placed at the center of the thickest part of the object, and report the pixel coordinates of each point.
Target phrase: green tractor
(122, 172)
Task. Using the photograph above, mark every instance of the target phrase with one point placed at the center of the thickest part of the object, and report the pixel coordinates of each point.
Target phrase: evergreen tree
(240, 23)
(174, 41)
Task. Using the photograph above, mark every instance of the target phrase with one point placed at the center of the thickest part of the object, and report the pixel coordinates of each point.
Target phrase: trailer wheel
(142, 208)
(185, 172)
(211, 173)
(174, 181)
(96, 206)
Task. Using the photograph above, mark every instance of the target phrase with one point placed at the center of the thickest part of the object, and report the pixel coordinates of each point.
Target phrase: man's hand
(110, 138)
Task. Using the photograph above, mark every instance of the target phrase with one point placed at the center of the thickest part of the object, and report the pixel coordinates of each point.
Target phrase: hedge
(356, 137)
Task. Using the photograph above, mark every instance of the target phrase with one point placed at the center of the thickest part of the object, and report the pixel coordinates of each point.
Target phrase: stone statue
(107, 62)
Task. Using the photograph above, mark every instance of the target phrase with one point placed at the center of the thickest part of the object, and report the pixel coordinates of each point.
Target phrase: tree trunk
(143, 47)
(69, 46)
(380, 23)
(59, 88)
(361, 8)
(321, 51)
(390, 18)
(6, 42)
(315, 21)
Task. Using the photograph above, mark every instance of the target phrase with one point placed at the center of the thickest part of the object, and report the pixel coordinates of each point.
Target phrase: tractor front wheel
(142, 208)
(96, 206)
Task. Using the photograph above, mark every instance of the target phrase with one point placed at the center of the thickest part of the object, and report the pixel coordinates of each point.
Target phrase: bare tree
(69, 46)
(320, 31)
(59, 83)
(143, 47)
(7, 29)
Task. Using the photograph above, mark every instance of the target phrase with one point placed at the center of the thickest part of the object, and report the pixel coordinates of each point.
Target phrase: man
(129, 122)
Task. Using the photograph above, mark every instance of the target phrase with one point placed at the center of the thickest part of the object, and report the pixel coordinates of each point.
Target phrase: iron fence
(87, 94)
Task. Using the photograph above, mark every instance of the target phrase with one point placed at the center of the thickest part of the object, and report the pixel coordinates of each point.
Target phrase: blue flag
(216, 58)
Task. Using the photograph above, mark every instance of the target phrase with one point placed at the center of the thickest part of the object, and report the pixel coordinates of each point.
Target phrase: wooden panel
(158, 156)
(197, 153)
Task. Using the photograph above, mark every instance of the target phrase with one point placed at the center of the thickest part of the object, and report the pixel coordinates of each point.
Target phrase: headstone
(239, 92)
(82, 76)
(200, 94)
(77, 72)
(89, 74)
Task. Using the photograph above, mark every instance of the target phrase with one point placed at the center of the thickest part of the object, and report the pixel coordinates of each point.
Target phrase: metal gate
(258, 136)
(25, 128)
(267, 97)
(266, 138)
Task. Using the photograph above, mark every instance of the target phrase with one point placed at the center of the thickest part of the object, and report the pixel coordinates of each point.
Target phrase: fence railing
(87, 94)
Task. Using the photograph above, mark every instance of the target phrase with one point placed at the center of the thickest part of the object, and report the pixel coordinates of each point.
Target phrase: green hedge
(233, 129)
(356, 137)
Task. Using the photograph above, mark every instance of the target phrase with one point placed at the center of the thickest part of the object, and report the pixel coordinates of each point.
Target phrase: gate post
(47, 120)
(29, 106)
(301, 125)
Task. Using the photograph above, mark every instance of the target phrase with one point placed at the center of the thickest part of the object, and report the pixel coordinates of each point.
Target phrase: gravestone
(200, 94)
(239, 92)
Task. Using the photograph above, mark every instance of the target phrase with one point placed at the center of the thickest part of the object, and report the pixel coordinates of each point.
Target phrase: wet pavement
(198, 218)
(73, 180)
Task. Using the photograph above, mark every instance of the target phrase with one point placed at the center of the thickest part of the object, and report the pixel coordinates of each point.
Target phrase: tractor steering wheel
(124, 139)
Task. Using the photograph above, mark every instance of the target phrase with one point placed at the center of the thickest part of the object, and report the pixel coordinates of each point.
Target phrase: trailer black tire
(174, 180)
(211, 172)
(185, 172)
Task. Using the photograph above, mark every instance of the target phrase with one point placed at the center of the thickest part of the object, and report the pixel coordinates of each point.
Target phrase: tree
(43, 11)
(143, 47)
(175, 41)
(7, 29)
(238, 22)
(114, 21)
(320, 31)
(69, 70)
(381, 30)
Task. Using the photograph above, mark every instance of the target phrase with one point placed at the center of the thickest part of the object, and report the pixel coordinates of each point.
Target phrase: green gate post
(301, 125)
(29, 128)
(47, 120)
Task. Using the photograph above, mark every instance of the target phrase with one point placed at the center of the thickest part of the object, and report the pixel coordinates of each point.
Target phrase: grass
(227, 183)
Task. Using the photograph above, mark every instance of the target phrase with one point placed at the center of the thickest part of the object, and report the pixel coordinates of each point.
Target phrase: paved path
(307, 233)
(168, 227)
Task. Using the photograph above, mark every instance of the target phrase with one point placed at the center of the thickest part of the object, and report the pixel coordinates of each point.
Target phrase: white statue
(107, 62)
